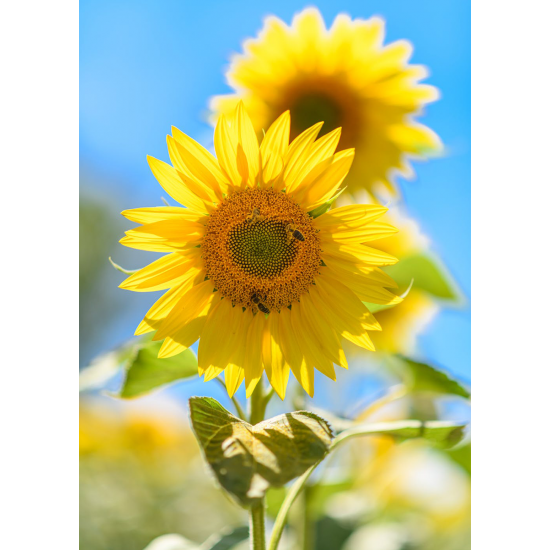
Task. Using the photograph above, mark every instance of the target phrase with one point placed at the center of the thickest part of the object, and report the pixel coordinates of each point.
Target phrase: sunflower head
(344, 76)
(251, 268)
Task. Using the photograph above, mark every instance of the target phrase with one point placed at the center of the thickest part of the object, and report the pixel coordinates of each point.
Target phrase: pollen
(248, 250)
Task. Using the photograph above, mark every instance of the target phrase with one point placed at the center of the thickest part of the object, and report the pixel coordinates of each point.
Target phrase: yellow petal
(293, 160)
(165, 272)
(193, 173)
(367, 290)
(352, 268)
(328, 342)
(303, 371)
(214, 176)
(253, 367)
(168, 177)
(346, 325)
(189, 306)
(274, 147)
(234, 372)
(278, 369)
(316, 153)
(344, 302)
(188, 331)
(226, 151)
(218, 338)
(162, 307)
(165, 236)
(234, 376)
(324, 180)
(349, 217)
(369, 232)
(315, 353)
(357, 253)
(161, 213)
(246, 137)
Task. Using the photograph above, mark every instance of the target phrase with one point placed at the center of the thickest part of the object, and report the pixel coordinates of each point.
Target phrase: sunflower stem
(258, 404)
(257, 526)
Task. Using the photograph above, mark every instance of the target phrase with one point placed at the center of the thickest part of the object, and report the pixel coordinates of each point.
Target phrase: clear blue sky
(145, 66)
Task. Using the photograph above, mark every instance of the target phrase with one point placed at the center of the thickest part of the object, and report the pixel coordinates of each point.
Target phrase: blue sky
(145, 66)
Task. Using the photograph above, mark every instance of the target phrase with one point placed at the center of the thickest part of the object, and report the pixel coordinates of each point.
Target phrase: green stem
(303, 523)
(257, 404)
(256, 514)
(285, 508)
(403, 428)
(257, 526)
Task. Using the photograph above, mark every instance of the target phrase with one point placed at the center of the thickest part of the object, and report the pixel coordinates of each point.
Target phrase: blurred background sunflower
(344, 76)
(141, 473)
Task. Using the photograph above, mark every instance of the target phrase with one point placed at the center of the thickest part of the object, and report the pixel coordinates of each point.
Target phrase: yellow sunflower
(343, 76)
(257, 268)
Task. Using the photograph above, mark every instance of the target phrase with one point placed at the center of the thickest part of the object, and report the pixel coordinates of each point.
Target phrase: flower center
(331, 99)
(313, 107)
(261, 250)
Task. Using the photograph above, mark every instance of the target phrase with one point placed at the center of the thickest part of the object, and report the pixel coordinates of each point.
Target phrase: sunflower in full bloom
(345, 77)
(257, 267)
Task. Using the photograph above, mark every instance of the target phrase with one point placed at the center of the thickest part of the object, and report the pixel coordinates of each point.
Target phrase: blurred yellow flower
(343, 76)
(256, 267)
(402, 324)
(112, 431)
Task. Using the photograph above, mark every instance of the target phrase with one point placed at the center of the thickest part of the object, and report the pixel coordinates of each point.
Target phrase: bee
(293, 232)
(255, 216)
(256, 299)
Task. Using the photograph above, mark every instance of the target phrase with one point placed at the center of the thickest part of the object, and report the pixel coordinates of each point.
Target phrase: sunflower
(257, 267)
(345, 77)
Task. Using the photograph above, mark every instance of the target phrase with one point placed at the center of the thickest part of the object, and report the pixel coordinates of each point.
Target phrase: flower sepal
(316, 212)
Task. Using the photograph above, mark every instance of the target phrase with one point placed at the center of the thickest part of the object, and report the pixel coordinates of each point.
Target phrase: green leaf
(420, 377)
(226, 540)
(103, 367)
(247, 459)
(429, 274)
(462, 455)
(316, 212)
(146, 372)
(438, 433)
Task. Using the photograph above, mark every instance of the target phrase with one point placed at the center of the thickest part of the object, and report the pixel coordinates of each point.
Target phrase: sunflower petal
(309, 345)
(294, 356)
(161, 213)
(253, 367)
(168, 177)
(164, 273)
(324, 180)
(277, 369)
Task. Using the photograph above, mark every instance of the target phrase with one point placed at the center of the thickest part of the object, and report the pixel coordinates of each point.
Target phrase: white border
(510, 250)
(39, 221)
